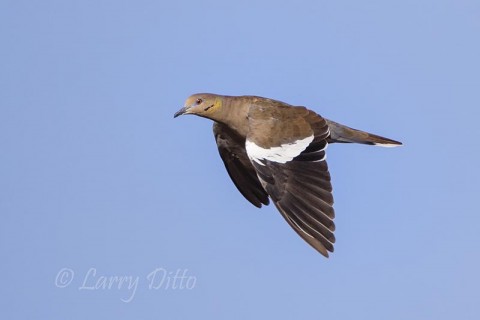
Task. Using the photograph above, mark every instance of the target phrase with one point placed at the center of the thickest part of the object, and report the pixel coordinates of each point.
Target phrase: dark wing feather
(232, 151)
(302, 191)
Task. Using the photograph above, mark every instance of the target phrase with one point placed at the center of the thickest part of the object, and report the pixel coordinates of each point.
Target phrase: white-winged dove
(275, 150)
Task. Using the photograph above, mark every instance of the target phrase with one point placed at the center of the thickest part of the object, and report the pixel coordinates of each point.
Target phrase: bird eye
(199, 101)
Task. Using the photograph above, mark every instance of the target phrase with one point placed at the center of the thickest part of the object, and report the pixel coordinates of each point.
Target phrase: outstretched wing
(232, 151)
(292, 168)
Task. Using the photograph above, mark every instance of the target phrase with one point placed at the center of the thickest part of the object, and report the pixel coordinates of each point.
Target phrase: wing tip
(323, 250)
(259, 202)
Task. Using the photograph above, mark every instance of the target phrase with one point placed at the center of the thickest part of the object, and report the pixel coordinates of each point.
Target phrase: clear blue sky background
(96, 173)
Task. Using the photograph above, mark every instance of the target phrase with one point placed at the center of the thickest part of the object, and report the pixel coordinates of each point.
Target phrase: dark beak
(180, 112)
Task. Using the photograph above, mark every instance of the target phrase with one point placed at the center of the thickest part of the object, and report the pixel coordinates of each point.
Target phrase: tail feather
(341, 133)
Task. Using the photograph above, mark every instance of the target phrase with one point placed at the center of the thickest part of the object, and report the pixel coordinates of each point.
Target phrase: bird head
(201, 104)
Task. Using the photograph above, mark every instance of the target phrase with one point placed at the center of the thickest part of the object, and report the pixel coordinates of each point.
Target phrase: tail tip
(390, 144)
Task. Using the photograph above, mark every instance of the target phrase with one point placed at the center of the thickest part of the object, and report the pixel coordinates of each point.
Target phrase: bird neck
(234, 113)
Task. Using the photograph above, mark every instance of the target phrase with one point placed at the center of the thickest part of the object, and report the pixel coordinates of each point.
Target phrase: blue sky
(97, 180)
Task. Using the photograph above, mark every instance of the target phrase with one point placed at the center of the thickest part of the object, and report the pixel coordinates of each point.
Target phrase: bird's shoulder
(273, 123)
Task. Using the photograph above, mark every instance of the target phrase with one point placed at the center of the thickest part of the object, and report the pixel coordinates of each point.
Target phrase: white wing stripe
(282, 154)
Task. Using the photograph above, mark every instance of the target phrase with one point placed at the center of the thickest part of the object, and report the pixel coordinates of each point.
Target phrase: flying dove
(275, 150)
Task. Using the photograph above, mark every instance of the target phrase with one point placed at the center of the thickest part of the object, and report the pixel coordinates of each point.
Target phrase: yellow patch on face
(211, 107)
(218, 103)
